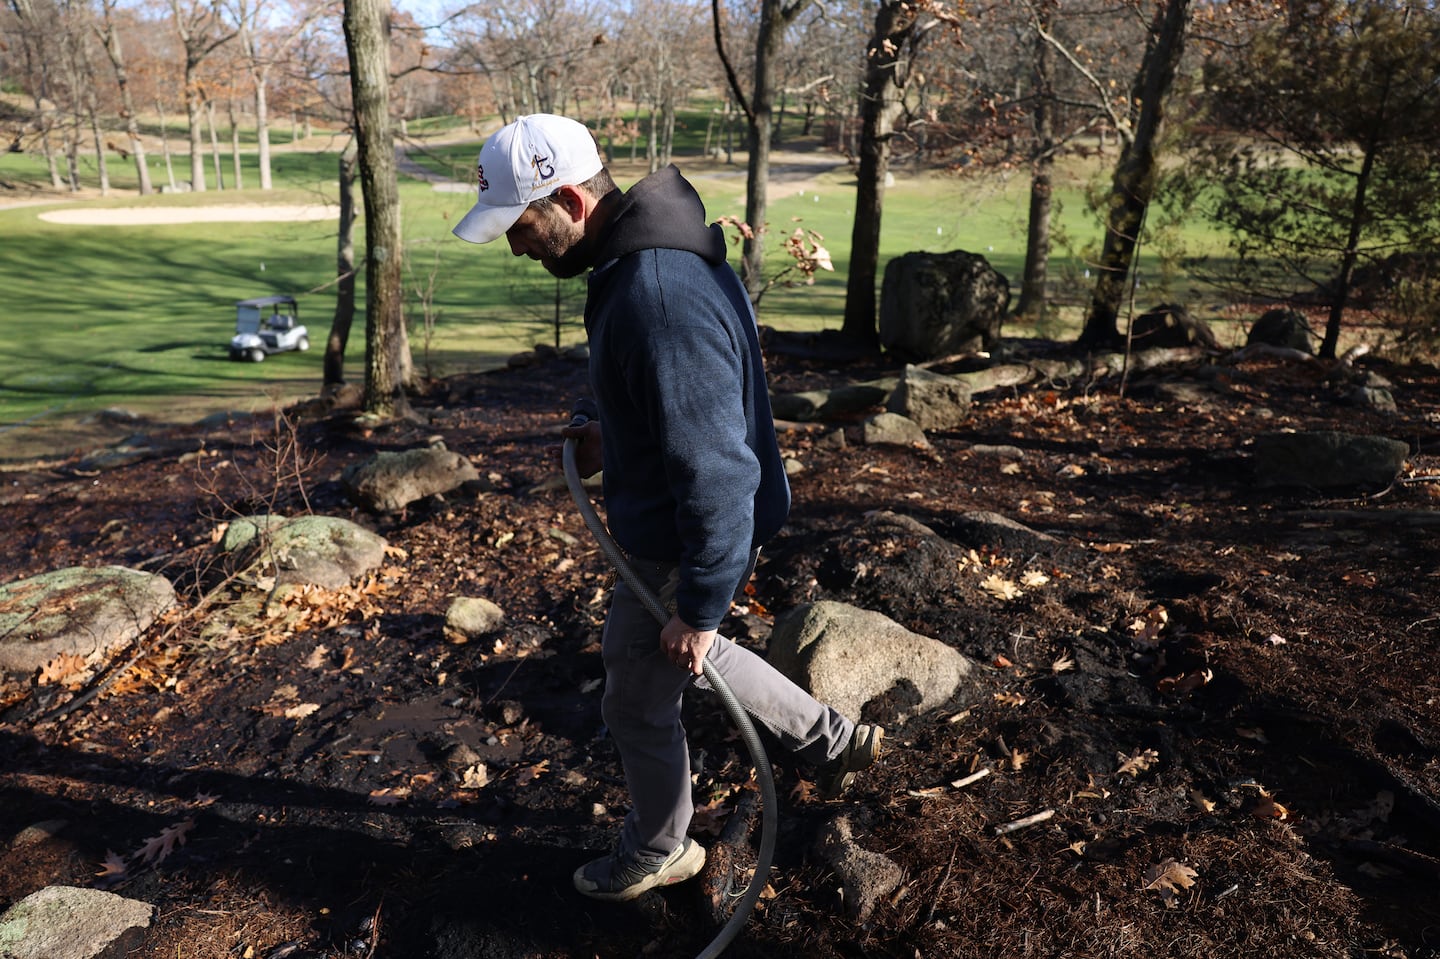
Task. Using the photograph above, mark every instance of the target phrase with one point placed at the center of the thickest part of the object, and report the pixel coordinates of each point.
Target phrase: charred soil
(1225, 697)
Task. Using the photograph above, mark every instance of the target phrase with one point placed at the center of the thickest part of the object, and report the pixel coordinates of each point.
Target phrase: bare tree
(776, 16)
(387, 351)
(201, 29)
(1134, 180)
(263, 47)
(109, 33)
(889, 59)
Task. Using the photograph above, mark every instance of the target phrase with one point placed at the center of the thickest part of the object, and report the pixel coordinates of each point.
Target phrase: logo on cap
(480, 176)
(543, 166)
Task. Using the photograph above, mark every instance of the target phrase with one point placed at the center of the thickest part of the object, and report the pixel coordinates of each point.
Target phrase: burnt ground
(1225, 695)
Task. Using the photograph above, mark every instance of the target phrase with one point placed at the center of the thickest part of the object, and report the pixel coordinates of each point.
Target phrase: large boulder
(389, 481)
(1170, 326)
(80, 611)
(938, 304)
(66, 922)
(323, 551)
(932, 401)
(846, 657)
(1285, 328)
(1326, 459)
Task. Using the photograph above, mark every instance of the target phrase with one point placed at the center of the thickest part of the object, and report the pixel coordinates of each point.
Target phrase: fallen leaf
(1200, 802)
(1148, 626)
(531, 773)
(60, 668)
(316, 659)
(1138, 763)
(1169, 879)
(710, 817)
(803, 791)
(1001, 662)
(388, 796)
(475, 777)
(1062, 664)
(1110, 547)
(1033, 579)
(1018, 760)
(999, 587)
(1268, 808)
(302, 710)
(112, 868)
(158, 847)
(1010, 699)
(1185, 682)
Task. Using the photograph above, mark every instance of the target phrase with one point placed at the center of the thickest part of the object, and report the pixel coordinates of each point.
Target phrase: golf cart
(265, 325)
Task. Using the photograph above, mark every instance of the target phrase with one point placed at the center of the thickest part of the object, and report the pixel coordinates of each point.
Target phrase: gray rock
(937, 304)
(931, 400)
(1285, 328)
(79, 610)
(895, 430)
(470, 617)
(846, 656)
(388, 482)
(867, 878)
(65, 922)
(1326, 459)
(321, 550)
(1170, 326)
(812, 405)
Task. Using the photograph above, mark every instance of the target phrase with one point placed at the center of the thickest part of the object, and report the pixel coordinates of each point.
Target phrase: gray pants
(641, 707)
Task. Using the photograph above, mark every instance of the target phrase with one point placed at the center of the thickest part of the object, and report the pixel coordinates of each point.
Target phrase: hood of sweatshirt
(662, 212)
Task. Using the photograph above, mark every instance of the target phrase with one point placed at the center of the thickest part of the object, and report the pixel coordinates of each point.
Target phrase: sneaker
(617, 878)
(860, 753)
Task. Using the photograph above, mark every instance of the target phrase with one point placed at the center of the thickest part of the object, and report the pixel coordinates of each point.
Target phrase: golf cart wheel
(302, 344)
(256, 355)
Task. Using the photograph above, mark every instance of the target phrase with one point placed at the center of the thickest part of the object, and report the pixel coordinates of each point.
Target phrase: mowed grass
(140, 316)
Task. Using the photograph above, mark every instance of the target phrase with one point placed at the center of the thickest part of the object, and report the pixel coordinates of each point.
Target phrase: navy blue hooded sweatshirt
(692, 471)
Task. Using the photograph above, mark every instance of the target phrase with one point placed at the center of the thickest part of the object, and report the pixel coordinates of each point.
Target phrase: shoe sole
(871, 747)
(686, 867)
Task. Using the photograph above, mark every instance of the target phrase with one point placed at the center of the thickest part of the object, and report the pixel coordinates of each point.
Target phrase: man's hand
(587, 447)
(685, 646)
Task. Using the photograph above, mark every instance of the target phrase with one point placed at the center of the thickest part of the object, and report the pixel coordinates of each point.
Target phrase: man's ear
(574, 201)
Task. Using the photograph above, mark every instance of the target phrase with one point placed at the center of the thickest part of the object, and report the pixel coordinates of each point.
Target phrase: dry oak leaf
(531, 773)
(388, 796)
(112, 868)
(61, 668)
(1169, 879)
(475, 777)
(999, 587)
(1010, 699)
(1033, 578)
(158, 847)
(1138, 763)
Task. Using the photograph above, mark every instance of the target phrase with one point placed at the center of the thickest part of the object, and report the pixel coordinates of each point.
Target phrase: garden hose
(768, 815)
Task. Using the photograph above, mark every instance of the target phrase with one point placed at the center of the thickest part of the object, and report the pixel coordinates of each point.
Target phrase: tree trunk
(165, 144)
(1134, 179)
(197, 155)
(110, 38)
(262, 130)
(1033, 296)
(768, 42)
(214, 145)
(386, 350)
(880, 106)
(345, 273)
(235, 144)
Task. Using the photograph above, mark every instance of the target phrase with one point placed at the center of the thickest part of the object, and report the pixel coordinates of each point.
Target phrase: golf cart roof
(267, 301)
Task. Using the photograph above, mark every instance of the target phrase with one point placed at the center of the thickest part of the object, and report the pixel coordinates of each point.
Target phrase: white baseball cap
(527, 159)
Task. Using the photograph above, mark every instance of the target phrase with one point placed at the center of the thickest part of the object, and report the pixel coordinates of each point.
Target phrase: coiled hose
(768, 815)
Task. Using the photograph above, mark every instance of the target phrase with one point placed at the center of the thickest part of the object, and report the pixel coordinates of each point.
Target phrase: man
(693, 479)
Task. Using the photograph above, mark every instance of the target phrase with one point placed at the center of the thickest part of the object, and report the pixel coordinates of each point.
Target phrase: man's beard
(562, 257)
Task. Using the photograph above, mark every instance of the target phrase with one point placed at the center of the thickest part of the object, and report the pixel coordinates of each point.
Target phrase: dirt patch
(1224, 697)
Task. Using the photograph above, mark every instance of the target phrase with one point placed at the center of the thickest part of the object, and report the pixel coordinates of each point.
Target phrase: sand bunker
(150, 216)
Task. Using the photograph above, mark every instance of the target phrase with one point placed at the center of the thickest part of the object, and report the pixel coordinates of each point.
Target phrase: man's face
(548, 234)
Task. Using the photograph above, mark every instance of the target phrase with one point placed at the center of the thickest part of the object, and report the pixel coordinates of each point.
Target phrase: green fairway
(140, 316)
